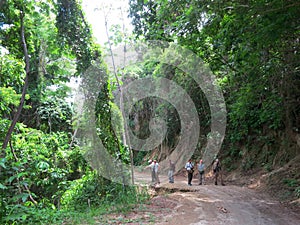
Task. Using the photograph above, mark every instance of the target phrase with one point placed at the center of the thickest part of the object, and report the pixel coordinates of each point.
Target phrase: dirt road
(216, 205)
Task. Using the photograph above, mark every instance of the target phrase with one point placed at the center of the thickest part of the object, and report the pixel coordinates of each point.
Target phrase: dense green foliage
(43, 44)
(251, 46)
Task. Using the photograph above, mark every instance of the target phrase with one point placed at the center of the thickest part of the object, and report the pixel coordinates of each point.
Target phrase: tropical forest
(81, 120)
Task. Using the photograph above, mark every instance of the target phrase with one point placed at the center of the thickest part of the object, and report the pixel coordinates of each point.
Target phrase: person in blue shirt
(201, 168)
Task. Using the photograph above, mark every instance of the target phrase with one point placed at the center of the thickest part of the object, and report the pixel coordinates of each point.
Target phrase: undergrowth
(85, 202)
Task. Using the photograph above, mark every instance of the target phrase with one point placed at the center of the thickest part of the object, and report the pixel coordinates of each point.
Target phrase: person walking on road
(151, 170)
(171, 171)
(155, 169)
(201, 168)
(190, 170)
(217, 170)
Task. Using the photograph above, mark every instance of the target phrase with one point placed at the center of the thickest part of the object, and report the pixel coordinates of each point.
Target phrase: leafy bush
(297, 192)
(294, 184)
(92, 190)
(291, 182)
(35, 172)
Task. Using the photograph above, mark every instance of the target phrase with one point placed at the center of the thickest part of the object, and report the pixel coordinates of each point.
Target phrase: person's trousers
(153, 176)
(218, 175)
(190, 177)
(157, 178)
(171, 176)
(201, 177)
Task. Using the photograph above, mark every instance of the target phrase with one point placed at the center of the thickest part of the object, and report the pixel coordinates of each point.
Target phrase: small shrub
(290, 182)
(268, 167)
(248, 164)
(297, 192)
(92, 190)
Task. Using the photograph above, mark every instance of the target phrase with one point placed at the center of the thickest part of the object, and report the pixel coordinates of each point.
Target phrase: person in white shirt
(151, 166)
(189, 166)
(155, 169)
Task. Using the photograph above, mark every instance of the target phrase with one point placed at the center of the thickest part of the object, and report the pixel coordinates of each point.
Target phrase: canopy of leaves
(252, 47)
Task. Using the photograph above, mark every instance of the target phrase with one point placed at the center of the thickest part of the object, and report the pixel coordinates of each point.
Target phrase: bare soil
(177, 204)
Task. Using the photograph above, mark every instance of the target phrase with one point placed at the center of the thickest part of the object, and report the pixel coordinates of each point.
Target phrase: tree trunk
(126, 139)
(20, 107)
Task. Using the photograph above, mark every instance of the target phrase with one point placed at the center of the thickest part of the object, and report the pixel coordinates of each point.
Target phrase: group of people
(154, 168)
(216, 168)
(190, 168)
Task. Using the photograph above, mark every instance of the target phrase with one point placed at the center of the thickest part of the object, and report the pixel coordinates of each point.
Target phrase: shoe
(216, 183)
(200, 183)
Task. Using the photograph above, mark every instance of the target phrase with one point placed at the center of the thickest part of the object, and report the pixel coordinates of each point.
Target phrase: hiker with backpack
(189, 166)
(217, 170)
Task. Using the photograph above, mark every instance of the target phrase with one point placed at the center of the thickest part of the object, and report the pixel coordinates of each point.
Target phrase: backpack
(191, 170)
(217, 167)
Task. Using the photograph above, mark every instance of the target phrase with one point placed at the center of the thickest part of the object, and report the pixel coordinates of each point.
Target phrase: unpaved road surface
(217, 205)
